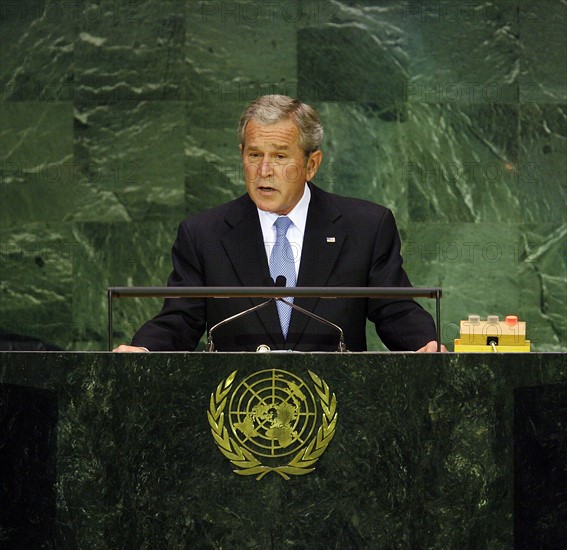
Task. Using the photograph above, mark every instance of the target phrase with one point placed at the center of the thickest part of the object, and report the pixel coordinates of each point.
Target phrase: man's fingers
(129, 349)
(431, 347)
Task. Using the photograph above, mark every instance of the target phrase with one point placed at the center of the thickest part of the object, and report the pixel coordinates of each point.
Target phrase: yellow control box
(492, 335)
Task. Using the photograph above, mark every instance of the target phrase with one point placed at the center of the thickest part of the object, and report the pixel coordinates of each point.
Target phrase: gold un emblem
(269, 423)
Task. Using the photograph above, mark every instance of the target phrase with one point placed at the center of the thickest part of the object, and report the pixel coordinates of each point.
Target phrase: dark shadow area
(18, 342)
(28, 420)
(540, 467)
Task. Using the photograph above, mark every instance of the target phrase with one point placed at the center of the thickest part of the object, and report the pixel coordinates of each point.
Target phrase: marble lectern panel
(429, 451)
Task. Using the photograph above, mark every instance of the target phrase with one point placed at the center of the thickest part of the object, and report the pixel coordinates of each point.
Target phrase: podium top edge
(273, 292)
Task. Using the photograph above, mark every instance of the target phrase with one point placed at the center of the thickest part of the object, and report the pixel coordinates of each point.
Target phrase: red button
(511, 320)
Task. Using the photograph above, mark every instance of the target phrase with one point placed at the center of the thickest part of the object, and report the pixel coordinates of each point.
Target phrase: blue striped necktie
(282, 263)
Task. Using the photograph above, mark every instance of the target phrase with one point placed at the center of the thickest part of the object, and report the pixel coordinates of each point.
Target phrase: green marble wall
(118, 119)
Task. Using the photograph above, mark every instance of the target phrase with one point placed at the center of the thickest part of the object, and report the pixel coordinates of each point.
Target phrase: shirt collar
(298, 214)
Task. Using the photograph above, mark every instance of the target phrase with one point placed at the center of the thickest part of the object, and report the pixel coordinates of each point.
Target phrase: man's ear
(240, 148)
(313, 163)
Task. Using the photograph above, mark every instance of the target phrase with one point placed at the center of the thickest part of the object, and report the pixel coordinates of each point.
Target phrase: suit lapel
(322, 244)
(244, 246)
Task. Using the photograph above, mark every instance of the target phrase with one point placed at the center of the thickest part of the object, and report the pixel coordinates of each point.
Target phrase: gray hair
(270, 109)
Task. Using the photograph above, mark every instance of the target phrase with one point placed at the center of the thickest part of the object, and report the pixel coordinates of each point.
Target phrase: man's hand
(129, 349)
(431, 347)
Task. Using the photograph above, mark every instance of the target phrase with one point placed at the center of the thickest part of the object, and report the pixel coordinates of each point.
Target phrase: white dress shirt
(296, 230)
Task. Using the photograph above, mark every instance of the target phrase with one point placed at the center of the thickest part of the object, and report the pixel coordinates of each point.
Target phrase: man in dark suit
(327, 240)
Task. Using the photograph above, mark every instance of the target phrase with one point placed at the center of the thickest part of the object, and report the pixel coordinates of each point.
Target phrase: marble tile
(117, 254)
(363, 155)
(543, 59)
(478, 267)
(542, 186)
(462, 163)
(239, 50)
(328, 73)
(353, 51)
(543, 283)
(36, 282)
(213, 167)
(462, 52)
(123, 157)
(447, 162)
(391, 52)
(116, 64)
(37, 173)
(235, 52)
(36, 55)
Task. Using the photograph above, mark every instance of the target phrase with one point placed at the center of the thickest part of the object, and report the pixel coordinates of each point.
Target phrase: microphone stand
(210, 344)
(341, 347)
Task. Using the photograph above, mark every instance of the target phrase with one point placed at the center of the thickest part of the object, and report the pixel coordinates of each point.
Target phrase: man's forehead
(280, 134)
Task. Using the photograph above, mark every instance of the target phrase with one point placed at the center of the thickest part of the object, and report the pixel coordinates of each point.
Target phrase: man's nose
(266, 168)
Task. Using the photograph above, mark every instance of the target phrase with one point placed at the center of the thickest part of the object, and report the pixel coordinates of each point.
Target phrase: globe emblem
(272, 413)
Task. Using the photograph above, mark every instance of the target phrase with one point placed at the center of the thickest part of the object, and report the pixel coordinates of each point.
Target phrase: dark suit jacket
(224, 247)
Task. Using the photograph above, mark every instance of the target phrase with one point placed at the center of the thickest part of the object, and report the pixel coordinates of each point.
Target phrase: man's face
(275, 167)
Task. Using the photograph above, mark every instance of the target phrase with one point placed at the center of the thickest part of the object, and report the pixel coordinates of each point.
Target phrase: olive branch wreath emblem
(246, 463)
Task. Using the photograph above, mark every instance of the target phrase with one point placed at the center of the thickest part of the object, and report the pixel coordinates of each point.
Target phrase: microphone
(210, 346)
(281, 281)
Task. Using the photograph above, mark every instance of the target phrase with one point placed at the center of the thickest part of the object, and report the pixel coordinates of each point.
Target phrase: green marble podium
(101, 450)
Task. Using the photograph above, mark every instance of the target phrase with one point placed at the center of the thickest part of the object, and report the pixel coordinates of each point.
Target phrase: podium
(102, 450)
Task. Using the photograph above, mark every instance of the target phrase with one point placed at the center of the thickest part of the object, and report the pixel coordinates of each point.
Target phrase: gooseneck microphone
(280, 282)
(210, 346)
